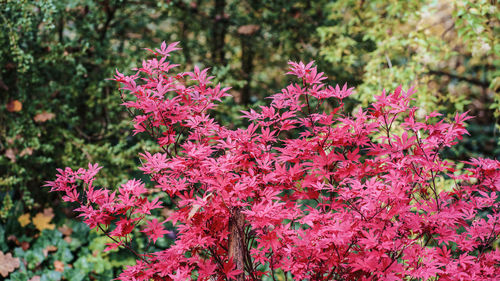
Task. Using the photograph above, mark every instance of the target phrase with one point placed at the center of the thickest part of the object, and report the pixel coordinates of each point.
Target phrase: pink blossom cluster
(307, 191)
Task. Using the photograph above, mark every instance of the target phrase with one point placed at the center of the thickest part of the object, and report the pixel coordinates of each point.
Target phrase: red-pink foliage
(306, 189)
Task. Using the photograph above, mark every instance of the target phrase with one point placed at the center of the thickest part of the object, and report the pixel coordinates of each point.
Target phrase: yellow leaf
(24, 219)
(42, 220)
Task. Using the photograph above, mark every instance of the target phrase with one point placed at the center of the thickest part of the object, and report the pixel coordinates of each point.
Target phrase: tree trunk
(219, 32)
(237, 242)
(247, 66)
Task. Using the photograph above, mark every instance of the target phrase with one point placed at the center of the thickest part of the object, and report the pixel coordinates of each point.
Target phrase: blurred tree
(54, 58)
(237, 37)
(58, 109)
(448, 49)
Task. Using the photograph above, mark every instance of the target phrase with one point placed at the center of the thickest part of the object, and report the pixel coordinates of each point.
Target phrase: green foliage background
(55, 56)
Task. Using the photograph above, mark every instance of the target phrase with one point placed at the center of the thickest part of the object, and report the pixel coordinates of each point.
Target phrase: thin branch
(125, 245)
(484, 84)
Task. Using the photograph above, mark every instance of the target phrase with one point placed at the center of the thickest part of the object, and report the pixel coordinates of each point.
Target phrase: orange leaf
(14, 106)
(12, 237)
(26, 151)
(59, 265)
(65, 230)
(248, 29)
(7, 264)
(11, 154)
(48, 249)
(44, 116)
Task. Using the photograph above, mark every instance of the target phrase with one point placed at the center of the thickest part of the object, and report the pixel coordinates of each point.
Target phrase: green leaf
(51, 276)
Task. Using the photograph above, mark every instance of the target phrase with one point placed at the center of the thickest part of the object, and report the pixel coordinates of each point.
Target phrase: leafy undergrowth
(40, 248)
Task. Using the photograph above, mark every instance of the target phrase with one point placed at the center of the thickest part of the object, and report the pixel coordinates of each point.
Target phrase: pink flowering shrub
(306, 191)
